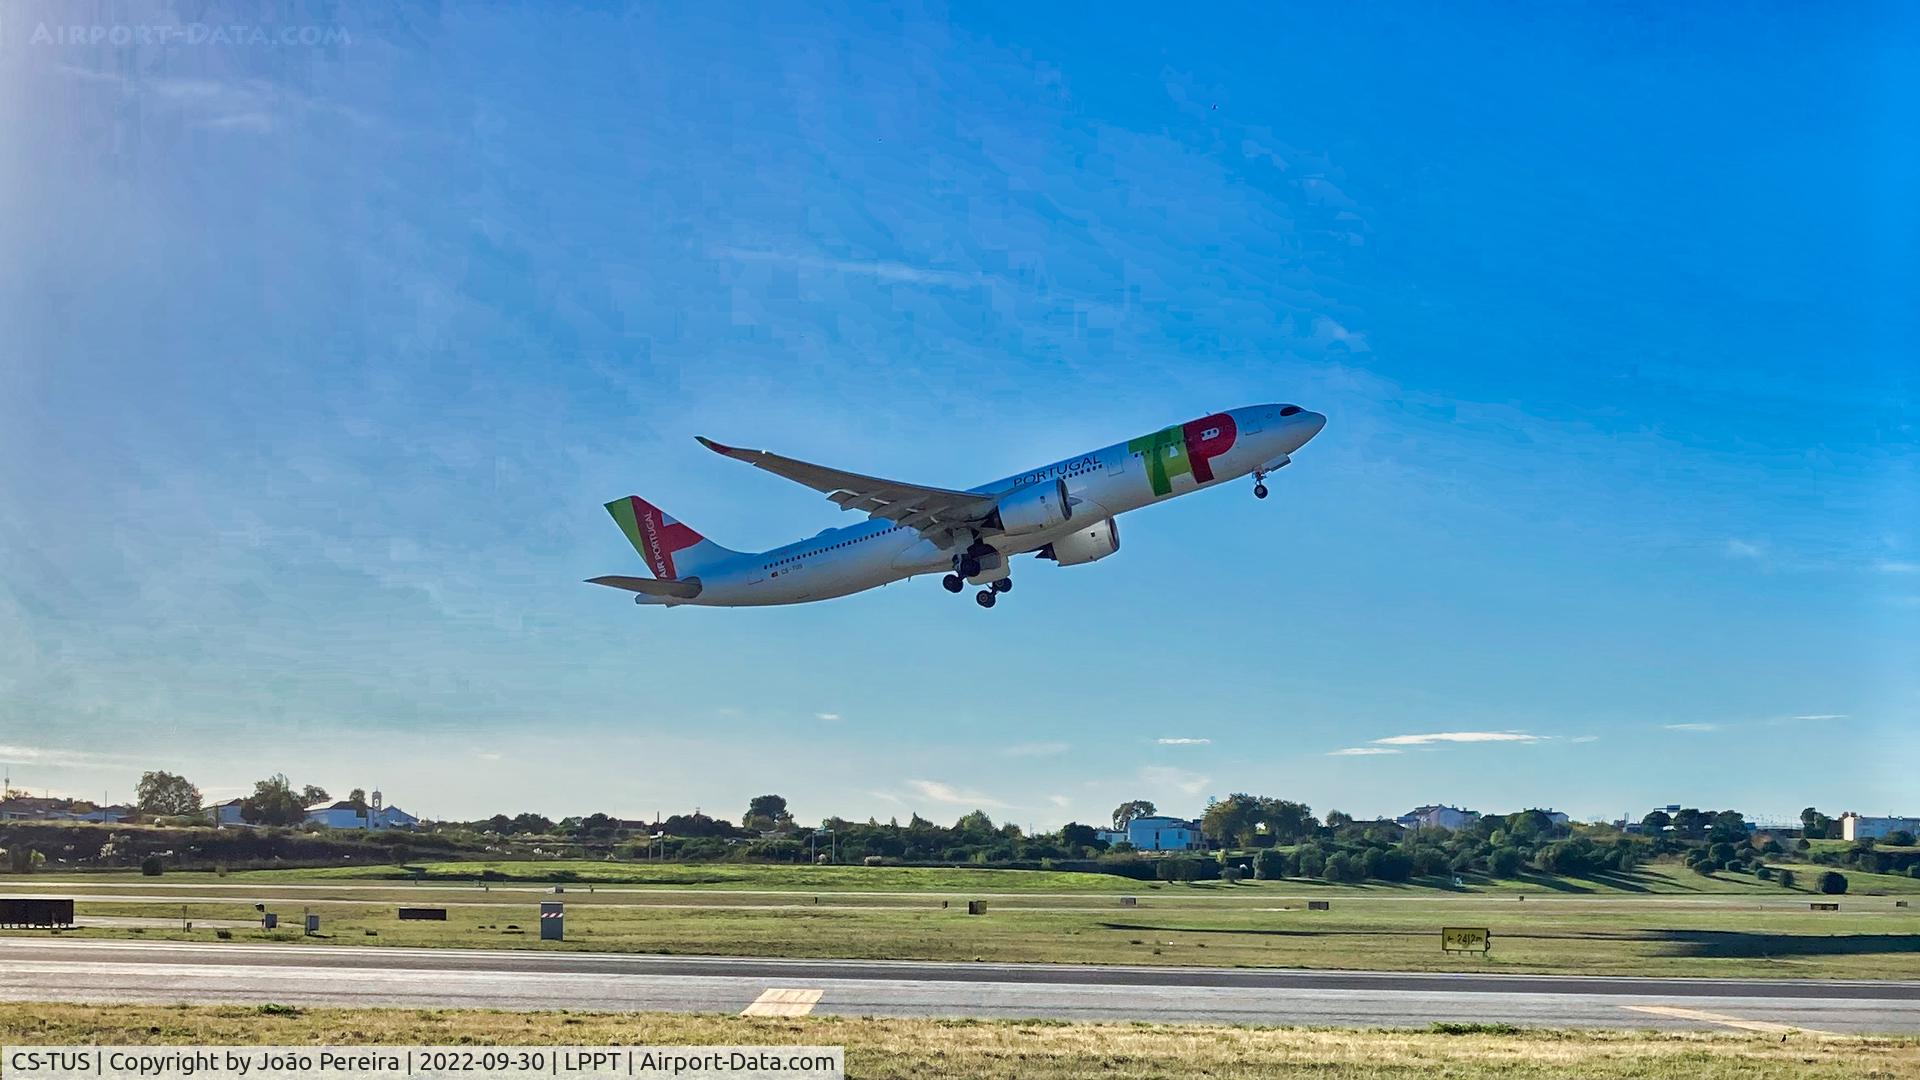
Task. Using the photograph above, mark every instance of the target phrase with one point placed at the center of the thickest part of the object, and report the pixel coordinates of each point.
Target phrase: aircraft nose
(1315, 421)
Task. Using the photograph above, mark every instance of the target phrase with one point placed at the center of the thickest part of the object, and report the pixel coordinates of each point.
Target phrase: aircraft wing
(682, 589)
(935, 512)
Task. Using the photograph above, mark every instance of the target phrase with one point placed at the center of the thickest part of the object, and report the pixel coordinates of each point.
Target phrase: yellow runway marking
(783, 1003)
(1724, 1020)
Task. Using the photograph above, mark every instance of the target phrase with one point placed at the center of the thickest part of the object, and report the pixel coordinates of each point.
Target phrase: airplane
(1064, 512)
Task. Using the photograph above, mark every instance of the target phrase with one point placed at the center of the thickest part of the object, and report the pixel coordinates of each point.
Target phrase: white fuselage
(1103, 483)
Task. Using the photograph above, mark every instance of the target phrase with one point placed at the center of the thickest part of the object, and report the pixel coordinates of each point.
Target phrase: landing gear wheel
(952, 583)
(969, 566)
(1005, 584)
(984, 597)
(1259, 491)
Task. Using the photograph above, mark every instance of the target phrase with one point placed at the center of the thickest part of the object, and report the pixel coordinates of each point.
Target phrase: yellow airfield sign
(1465, 939)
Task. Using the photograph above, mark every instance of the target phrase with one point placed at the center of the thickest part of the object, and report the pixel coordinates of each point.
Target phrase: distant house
(347, 815)
(1157, 834)
(28, 808)
(226, 813)
(1855, 827)
(337, 815)
(1437, 817)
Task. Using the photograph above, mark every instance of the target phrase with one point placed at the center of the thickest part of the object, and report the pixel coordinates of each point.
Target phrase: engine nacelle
(1085, 544)
(1035, 508)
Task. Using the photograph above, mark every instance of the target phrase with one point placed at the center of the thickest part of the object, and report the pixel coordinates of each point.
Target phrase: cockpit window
(1291, 410)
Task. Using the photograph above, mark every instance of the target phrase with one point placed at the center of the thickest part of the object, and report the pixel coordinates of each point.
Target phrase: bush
(1269, 865)
(150, 866)
(1833, 882)
(1900, 838)
(1786, 879)
(1505, 861)
(1764, 873)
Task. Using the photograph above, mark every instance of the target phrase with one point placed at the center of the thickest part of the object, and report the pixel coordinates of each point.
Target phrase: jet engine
(1035, 508)
(1085, 544)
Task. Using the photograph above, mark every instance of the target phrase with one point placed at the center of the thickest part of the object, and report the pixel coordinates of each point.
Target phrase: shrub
(1833, 882)
(1786, 879)
(223, 934)
(1764, 873)
(1269, 865)
(150, 866)
(1900, 838)
(1505, 861)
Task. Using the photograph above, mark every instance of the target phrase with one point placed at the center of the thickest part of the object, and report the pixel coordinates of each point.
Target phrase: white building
(1437, 817)
(1858, 827)
(1157, 834)
(375, 815)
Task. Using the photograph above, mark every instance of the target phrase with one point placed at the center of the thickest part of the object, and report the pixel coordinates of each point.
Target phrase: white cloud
(1192, 783)
(830, 717)
(1821, 716)
(1892, 566)
(1585, 738)
(1035, 749)
(1746, 549)
(1184, 742)
(54, 757)
(878, 269)
(952, 796)
(1691, 727)
(1060, 801)
(1459, 737)
(1362, 751)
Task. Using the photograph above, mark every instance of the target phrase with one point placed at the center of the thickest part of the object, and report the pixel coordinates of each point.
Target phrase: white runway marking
(783, 1003)
(1723, 1020)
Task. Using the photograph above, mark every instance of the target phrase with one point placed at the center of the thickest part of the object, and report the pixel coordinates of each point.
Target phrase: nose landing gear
(1259, 490)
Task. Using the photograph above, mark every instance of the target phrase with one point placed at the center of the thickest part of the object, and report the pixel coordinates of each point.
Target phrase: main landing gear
(953, 582)
(984, 597)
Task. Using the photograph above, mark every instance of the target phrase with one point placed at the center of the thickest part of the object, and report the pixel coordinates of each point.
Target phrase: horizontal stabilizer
(683, 589)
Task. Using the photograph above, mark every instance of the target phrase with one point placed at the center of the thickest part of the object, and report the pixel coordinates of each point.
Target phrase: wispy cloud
(54, 757)
(1362, 751)
(1035, 749)
(1820, 716)
(1460, 737)
(1191, 783)
(830, 717)
(878, 269)
(1184, 742)
(1750, 550)
(1691, 727)
(1894, 566)
(946, 793)
(1584, 738)
(1060, 801)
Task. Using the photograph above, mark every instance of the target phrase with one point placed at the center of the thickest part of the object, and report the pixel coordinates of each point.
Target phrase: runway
(45, 969)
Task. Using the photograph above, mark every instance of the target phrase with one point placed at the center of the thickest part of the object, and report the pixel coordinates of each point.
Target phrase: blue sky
(319, 360)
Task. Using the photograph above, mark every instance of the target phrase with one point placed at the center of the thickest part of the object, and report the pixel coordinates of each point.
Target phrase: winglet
(718, 448)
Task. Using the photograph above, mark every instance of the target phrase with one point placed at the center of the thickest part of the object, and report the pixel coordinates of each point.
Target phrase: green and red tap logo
(1187, 448)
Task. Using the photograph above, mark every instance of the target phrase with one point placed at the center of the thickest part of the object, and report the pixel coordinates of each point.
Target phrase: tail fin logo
(652, 533)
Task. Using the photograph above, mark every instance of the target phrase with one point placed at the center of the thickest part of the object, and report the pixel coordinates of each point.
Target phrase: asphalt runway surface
(41, 968)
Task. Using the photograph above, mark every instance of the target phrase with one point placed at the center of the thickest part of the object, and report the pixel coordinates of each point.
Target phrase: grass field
(877, 1048)
(1664, 921)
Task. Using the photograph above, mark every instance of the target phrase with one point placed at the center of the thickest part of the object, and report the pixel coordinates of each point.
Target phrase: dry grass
(1029, 1051)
